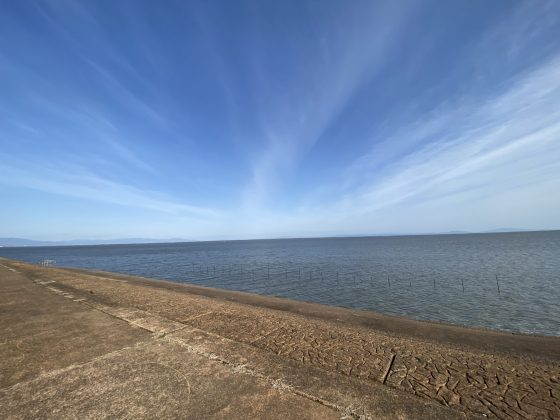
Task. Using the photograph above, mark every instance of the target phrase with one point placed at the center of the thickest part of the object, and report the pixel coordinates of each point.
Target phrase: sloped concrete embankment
(97, 344)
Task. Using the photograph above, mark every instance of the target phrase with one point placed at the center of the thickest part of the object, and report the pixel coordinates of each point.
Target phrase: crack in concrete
(389, 366)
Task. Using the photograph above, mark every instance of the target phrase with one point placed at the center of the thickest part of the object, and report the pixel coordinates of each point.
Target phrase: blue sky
(245, 119)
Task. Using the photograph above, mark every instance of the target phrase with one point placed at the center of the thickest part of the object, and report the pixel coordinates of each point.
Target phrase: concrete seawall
(78, 343)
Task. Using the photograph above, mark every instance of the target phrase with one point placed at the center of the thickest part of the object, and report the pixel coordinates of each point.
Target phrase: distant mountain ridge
(21, 242)
(501, 230)
(15, 242)
(9, 242)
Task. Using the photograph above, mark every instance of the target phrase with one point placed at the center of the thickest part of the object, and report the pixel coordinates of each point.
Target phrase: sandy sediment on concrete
(343, 361)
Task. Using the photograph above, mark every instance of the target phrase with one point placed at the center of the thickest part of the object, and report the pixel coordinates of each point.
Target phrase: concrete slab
(43, 331)
(154, 380)
(66, 359)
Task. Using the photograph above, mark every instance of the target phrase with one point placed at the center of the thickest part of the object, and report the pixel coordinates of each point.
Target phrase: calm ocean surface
(450, 278)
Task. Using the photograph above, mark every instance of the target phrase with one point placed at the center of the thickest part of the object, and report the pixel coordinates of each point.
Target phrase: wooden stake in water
(434, 283)
(463, 285)
(498, 284)
(388, 282)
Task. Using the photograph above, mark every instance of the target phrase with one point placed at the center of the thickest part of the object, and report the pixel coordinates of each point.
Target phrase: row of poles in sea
(239, 271)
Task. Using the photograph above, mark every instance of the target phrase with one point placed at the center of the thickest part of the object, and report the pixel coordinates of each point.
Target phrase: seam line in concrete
(114, 316)
(192, 318)
(175, 330)
(252, 342)
(274, 383)
(76, 366)
(9, 268)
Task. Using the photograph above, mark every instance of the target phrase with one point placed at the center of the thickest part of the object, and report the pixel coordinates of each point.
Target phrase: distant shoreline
(30, 243)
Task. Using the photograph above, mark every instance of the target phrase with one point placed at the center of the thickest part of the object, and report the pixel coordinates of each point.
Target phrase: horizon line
(55, 243)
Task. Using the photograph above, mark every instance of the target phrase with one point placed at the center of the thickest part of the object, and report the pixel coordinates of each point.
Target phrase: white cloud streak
(468, 158)
(298, 113)
(506, 136)
(80, 183)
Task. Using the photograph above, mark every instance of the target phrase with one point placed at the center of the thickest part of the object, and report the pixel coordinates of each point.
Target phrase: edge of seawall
(490, 341)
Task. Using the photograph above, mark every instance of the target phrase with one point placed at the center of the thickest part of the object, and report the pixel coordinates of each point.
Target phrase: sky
(254, 119)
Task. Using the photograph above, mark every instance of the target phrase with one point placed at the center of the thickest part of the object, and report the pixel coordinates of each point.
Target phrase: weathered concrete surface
(61, 358)
(153, 338)
(42, 331)
(156, 379)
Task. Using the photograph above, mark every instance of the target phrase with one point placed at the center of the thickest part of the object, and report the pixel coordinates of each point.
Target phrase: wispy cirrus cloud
(508, 146)
(79, 182)
(463, 153)
(294, 112)
(495, 144)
